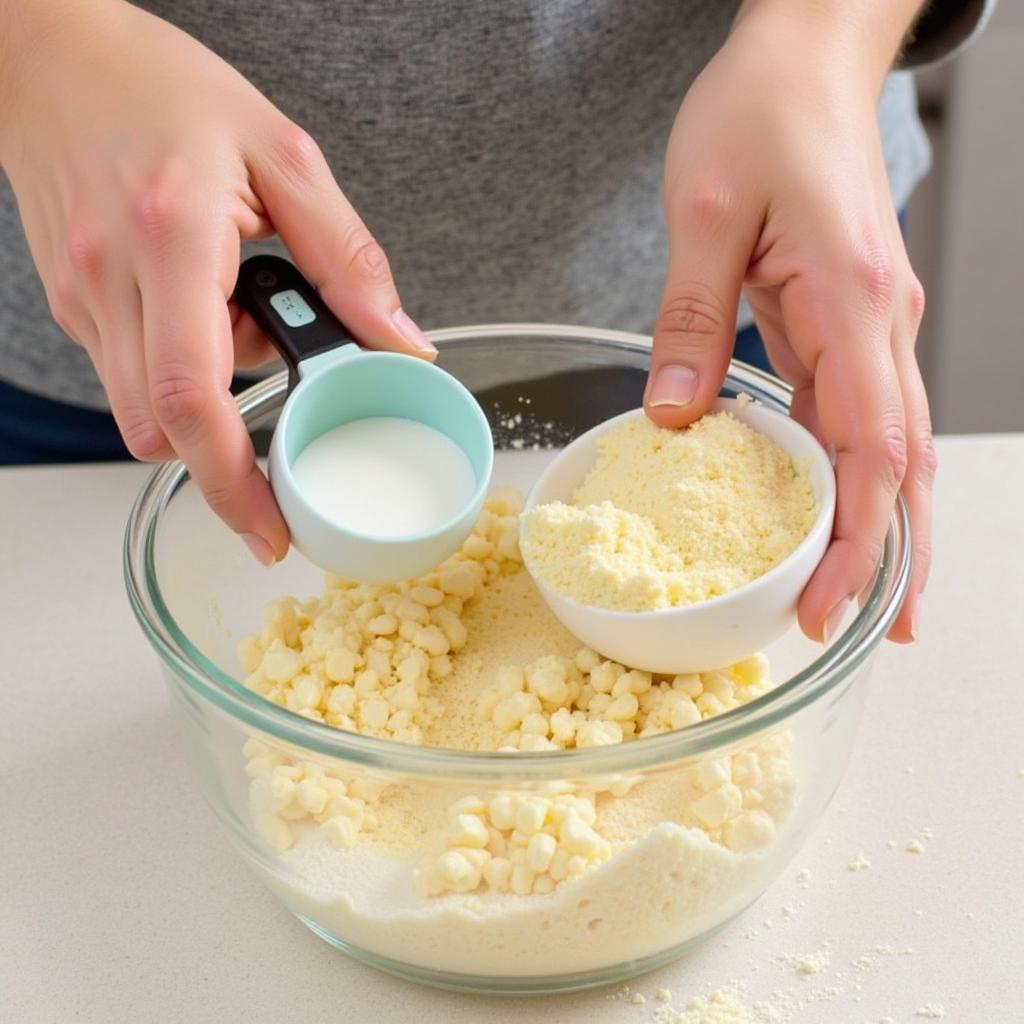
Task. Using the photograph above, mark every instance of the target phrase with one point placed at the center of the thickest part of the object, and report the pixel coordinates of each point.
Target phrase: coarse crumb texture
(469, 657)
(859, 863)
(667, 518)
(808, 963)
(723, 1006)
(784, 1003)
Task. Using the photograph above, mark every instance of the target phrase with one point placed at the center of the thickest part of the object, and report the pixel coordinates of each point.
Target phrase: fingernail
(673, 385)
(915, 621)
(411, 332)
(261, 550)
(835, 619)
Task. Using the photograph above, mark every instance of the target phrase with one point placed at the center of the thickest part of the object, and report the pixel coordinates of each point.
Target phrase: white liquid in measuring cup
(384, 476)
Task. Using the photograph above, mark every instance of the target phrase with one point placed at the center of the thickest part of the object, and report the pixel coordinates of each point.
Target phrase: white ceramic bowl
(722, 630)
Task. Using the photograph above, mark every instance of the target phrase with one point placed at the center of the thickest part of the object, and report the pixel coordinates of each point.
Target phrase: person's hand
(775, 184)
(139, 160)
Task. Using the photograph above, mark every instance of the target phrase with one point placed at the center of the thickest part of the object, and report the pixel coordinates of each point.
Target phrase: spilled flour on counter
(818, 983)
(808, 963)
(723, 1006)
(859, 863)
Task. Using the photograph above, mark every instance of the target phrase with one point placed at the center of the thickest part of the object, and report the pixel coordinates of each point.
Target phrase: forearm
(870, 33)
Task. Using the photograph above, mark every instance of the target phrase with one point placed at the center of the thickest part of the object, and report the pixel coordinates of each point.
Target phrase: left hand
(775, 185)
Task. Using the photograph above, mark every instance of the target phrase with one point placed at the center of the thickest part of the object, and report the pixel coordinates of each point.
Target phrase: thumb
(331, 244)
(696, 326)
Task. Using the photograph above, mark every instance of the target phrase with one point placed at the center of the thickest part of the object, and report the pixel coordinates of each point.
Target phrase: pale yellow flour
(667, 518)
(469, 657)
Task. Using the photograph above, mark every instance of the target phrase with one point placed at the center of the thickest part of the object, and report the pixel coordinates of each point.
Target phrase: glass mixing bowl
(694, 824)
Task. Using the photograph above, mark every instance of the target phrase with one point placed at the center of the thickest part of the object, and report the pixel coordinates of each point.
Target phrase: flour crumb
(724, 1006)
(887, 1020)
(859, 863)
(806, 964)
(522, 431)
(638, 999)
(914, 846)
(663, 995)
(871, 956)
(918, 912)
(768, 1014)
(789, 910)
(927, 833)
(933, 1011)
(804, 875)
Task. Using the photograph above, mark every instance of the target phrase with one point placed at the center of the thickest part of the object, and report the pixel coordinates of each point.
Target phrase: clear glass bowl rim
(835, 665)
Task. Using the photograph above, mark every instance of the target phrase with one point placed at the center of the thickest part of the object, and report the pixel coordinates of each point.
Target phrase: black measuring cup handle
(310, 328)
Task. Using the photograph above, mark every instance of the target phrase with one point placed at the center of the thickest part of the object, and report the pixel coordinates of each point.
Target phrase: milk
(385, 477)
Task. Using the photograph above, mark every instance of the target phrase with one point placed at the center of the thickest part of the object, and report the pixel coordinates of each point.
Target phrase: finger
(842, 330)
(74, 319)
(118, 311)
(921, 466)
(65, 292)
(108, 290)
(186, 271)
(251, 346)
(70, 310)
(804, 409)
(764, 303)
(250, 217)
(190, 396)
(94, 350)
(710, 242)
(331, 244)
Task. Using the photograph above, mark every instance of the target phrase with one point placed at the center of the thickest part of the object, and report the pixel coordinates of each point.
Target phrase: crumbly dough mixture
(469, 657)
(667, 518)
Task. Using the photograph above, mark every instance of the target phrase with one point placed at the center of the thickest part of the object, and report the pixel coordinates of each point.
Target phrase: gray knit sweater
(506, 153)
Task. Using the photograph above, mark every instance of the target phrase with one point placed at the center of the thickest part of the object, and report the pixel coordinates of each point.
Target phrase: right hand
(775, 183)
(140, 160)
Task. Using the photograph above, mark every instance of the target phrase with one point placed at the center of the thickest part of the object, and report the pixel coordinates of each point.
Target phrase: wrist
(863, 37)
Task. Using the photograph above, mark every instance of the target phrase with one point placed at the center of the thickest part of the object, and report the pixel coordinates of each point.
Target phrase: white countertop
(121, 901)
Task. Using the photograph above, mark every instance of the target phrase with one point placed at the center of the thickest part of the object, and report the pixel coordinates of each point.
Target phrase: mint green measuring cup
(332, 381)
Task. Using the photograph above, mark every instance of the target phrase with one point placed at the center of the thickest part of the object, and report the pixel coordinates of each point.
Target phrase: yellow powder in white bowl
(667, 518)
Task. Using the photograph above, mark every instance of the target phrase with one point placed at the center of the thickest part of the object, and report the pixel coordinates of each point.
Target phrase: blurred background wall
(967, 232)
